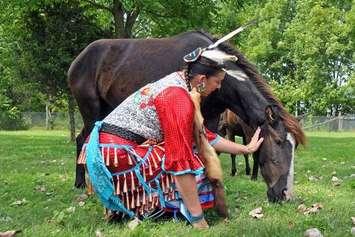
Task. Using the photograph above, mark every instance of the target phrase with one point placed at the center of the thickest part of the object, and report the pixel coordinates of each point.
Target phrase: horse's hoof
(80, 185)
(220, 199)
(221, 209)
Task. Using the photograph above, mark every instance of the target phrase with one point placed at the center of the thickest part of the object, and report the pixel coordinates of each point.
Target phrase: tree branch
(131, 19)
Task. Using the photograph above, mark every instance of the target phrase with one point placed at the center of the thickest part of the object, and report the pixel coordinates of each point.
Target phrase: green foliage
(153, 18)
(167, 18)
(52, 49)
(10, 116)
(38, 47)
(305, 49)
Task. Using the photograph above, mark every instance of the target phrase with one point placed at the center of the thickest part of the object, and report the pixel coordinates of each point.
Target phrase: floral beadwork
(138, 113)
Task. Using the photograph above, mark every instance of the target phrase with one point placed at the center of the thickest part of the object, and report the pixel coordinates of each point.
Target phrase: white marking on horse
(219, 56)
(238, 74)
(290, 176)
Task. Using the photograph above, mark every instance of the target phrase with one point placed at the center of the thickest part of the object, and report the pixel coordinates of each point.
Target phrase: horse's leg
(246, 157)
(231, 137)
(255, 167)
(247, 166)
(80, 168)
(234, 165)
(90, 108)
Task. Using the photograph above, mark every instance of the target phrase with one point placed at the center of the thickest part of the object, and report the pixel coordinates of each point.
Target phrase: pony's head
(276, 154)
(245, 93)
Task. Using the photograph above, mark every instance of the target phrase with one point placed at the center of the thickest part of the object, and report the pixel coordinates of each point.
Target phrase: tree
(143, 18)
(12, 92)
(318, 41)
(41, 39)
(304, 49)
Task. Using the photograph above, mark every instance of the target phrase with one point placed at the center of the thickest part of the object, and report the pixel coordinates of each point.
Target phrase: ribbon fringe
(135, 187)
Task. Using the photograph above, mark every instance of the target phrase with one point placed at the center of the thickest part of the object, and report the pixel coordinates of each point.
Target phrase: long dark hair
(202, 66)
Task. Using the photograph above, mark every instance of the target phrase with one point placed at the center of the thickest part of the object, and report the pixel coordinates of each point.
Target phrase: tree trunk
(296, 109)
(71, 113)
(47, 115)
(340, 122)
(124, 20)
(118, 16)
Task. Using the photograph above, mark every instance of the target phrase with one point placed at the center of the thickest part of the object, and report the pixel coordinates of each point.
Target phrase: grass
(37, 169)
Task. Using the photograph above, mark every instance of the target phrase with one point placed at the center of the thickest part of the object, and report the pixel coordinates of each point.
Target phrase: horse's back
(96, 51)
(118, 64)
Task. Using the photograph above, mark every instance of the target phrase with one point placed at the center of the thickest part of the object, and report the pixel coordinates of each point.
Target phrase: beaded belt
(124, 133)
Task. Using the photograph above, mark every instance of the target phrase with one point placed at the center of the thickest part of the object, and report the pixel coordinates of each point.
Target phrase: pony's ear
(271, 114)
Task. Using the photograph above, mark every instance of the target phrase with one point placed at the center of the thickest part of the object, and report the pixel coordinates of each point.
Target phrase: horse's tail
(83, 86)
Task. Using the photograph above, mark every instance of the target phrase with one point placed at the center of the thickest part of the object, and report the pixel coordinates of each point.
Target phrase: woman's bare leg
(187, 187)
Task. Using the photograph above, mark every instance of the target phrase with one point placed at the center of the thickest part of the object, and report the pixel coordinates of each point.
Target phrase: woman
(140, 158)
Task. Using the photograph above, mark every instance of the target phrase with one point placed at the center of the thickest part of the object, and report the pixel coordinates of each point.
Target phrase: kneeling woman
(140, 158)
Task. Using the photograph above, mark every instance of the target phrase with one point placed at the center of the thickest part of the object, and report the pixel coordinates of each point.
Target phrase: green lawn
(37, 170)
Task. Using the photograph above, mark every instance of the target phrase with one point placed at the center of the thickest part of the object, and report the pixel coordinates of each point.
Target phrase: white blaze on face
(290, 177)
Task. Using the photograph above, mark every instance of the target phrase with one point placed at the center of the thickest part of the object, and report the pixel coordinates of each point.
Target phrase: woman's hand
(255, 142)
(224, 145)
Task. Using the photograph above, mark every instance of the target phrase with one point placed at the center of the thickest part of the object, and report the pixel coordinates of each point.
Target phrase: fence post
(340, 122)
(47, 115)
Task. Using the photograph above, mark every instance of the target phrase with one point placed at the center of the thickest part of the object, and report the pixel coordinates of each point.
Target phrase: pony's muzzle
(284, 195)
(288, 194)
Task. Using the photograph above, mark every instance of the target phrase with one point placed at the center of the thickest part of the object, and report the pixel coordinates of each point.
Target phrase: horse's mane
(291, 123)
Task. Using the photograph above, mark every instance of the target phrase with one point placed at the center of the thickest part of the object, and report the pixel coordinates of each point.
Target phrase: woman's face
(212, 83)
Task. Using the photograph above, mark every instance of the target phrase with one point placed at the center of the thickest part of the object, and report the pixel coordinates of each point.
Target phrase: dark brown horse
(231, 125)
(108, 71)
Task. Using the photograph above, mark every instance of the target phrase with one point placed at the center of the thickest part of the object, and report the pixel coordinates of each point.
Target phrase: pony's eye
(278, 141)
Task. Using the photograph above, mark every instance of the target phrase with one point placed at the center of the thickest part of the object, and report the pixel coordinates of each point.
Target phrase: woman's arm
(224, 145)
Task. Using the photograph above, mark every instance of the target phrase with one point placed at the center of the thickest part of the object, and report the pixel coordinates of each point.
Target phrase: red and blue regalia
(136, 177)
